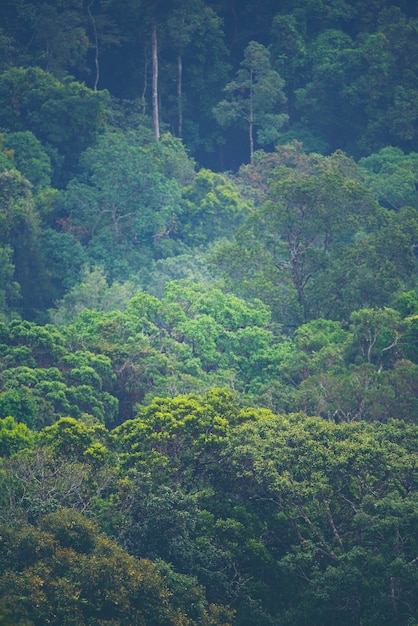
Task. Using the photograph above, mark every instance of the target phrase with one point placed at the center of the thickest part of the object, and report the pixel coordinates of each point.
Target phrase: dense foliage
(208, 313)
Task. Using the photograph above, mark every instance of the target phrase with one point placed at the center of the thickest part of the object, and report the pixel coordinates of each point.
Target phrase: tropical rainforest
(208, 312)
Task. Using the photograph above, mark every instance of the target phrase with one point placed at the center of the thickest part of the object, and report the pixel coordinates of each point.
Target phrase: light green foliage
(391, 175)
(345, 375)
(265, 448)
(176, 434)
(46, 343)
(376, 333)
(174, 160)
(195, 337)
(232, 312)
(93, 292)
(317, 346)
(14, 436)
(96, 367)
(224, 332)
(192, 338)
(407, 303)
(142, 361)
(191, 265)
(38, 396)
(19, 404)
(72, 439)
(213, 208)
(47, 381)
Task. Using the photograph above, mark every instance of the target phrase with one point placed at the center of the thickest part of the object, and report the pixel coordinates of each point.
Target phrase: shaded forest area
(208, 312)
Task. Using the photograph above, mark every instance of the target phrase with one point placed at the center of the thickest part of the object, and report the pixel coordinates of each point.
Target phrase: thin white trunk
(155, 111)
(96, 45)
(251, 120)
(144, 91)
(180, 93)
(251, 141)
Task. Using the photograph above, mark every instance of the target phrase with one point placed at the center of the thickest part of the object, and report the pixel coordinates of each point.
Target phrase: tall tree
(20, 233)
(313, 209)
(124, 206)
(33, 100)
(155, 105)
(182, 24)
(254, 97)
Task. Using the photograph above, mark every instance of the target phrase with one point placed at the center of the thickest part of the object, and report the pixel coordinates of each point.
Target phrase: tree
(65, 571)
(253, 98)
(51, 35)
(182, 24)
(155, 105)
(14, 436)
(30, 158)
(391, 175)
(328, 100)
(33, 100)
(9, 288)
(104, 33)
(386, 84)
(93, 292)
(376, 334)
(20, 233)
(313, 208)
(331, 495)
(195, 51)
(123, 207)
(212, 208)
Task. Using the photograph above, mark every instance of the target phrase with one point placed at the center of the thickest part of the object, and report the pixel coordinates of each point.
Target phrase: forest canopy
(208, 312)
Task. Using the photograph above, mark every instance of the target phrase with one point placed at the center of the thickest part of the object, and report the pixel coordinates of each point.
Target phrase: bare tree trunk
(251, 141)
(251, 121)
(155, 111)
(180, 93)
(144, 91)
(96, 45)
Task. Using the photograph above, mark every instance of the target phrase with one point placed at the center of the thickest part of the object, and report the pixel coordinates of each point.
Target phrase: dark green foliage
(317, 245)
(20, 233)
(349, 69)
(30, 158)
(65, 572)
(122, 207)
(315, 491)
(254, 99)
(208, 379)
(33, 100)
(255, 506)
